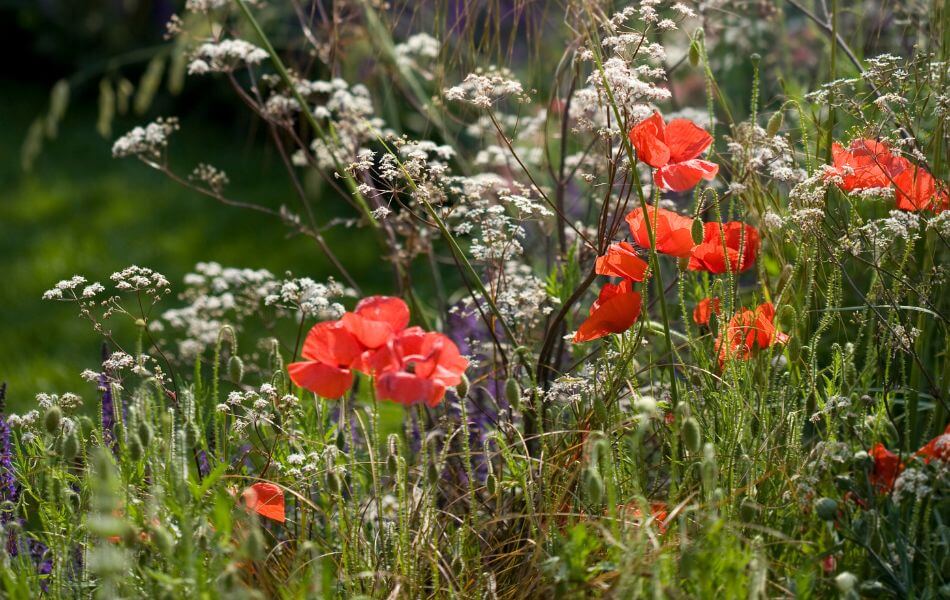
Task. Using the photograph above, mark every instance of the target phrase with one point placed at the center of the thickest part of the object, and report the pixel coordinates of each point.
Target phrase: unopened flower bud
(53, 418)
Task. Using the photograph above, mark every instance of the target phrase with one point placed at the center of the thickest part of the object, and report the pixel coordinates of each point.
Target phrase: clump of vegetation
(662, 317)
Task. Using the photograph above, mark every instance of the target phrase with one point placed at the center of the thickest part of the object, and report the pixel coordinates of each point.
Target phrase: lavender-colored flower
(9, 490)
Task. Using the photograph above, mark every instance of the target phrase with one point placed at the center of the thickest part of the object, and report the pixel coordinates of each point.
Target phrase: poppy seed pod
(135, 448)
(235, 368)
(53, 418)
(491, 484)
(70, 446)
(513, 392)
(594, 485)
(694, 53)
(698, 231)
(774, 124)
(145, 433)
(692, 435)
(826, 509)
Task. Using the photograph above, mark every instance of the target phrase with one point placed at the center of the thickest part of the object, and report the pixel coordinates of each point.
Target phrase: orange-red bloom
(672, 230)
(885, 469)
(937, 448)
(266, 499)
(416, 367)
(749, 330)
(705, 309)
(659, 513)
(329, 352)
(916, 189)
(673, 149)
(376, 319)
(742, 246)
(866, 164)
(615, 311)
(621, 260)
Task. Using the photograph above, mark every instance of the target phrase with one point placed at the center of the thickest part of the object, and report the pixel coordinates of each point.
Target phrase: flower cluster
(409, 365)
(870, 165)
(224, 57)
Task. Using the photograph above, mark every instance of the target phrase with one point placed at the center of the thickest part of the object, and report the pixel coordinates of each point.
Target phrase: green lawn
(82, 212)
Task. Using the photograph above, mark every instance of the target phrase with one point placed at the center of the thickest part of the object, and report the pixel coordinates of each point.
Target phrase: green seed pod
(432, 473)
(340, 439)
(775, 123)
(70, 446)
(594, 485)
(334, 482)
(491, 484)
(462, 388)
(53, 419)
(513, 392)
(392, 464)
(692, 435)
(826, 509)
(145, 433)
(698, 231)
(694, 54)
(136, 451)
(235, 368)
(85, 426)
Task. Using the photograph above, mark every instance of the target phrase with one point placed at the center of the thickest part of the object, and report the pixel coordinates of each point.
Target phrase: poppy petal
(408, 389)
(621, 260)
(387, 309)
(648, 139)
(331, 343)
(266, 499)
(686, 140)
(324, 380)
(614, 315)
(673, 231)
(683, 176)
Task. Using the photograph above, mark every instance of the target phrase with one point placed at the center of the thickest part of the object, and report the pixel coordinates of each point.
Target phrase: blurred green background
(79, 211)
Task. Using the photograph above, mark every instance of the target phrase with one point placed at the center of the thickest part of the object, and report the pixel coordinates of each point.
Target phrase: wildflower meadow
(598, 299)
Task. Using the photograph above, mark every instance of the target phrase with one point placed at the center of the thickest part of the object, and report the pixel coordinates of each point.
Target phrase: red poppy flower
(615, 311)
(672, 230)
(742, 246)
(266, 499)
(672, 149)
(330, 350)
(658, 512)
(937, 448)
(621, 260)
(916, 189)
(376, 319)
(887, 466)
(705, 309)
(749, 330)
(866, 164)
(416, 366)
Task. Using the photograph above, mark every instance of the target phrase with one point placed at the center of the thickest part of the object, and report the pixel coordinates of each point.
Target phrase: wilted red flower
(673, 231)
(672, 149)
(615, 311)
(742, 246)
(705, 309)
(937, 448)
(266, 499)
(330, 351)
(887, 466)
(621, 260)
(415, 367)
(866, 164)
(749, 330)
(916, 189)
(376, 319)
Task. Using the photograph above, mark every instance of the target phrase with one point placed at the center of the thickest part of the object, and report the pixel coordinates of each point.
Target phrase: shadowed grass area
(81, 211)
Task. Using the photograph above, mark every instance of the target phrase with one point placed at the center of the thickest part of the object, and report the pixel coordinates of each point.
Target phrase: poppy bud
(694, 53)
(334, 483)
(462, 388)
(53, 418)
(191, 434)
(163, 540)
(145, 433)
(826, 509)
(788, 316)
(594, 485)
(513, 392)
(749, 510)
(73, 500)
(692, 435)
(235, 368)
(135, 448)
(70, 446)
(683, 411)
(491, 484)
(85, 426)
(774, 124)
(698, 231)
(755, 57)
(432, 473)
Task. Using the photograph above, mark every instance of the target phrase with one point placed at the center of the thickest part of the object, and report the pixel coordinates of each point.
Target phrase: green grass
(82, 212)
